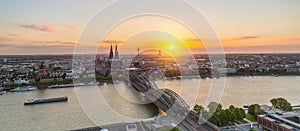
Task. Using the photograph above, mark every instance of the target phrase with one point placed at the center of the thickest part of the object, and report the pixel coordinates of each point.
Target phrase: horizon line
(233, 53)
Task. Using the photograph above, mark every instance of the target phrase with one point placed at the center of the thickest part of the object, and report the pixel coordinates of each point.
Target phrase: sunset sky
(53, 27)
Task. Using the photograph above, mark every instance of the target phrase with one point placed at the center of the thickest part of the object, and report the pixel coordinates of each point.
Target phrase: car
(131, 127)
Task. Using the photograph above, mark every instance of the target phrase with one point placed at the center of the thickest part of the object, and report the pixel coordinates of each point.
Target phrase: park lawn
(250, 117)
(166, 128)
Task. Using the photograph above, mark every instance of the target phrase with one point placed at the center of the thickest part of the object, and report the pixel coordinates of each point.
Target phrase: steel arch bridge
(167, 100)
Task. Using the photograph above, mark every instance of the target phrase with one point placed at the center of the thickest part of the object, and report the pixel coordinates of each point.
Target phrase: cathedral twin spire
(111, 54)
(116, 53)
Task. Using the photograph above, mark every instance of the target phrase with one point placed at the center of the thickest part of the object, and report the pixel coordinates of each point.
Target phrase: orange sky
(256, 26)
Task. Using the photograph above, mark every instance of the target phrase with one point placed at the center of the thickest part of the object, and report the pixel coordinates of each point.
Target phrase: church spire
(111, 54)
(116, 52)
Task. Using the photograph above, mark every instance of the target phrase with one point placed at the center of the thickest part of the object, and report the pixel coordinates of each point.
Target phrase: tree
(238, 113)
(168, 73)
(37, 79)
(64, 76)
(231, 107)
(232, 116)
(205, 114)
(281, 103)
(227, 116)
(215, 120)
(224, 117)
(243, 112)
(198, 108)
(214, 107)
(255, 110)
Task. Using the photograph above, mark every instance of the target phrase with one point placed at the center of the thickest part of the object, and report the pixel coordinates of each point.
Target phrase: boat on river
(24, 89)
(48, 100)
(65, 85)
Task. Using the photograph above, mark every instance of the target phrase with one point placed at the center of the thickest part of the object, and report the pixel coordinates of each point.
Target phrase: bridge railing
(167, 99)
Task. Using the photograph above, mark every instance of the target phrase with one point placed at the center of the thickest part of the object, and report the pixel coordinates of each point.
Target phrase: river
(238, 91)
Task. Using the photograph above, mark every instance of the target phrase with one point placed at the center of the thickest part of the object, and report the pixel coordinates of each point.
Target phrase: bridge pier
(165, 99)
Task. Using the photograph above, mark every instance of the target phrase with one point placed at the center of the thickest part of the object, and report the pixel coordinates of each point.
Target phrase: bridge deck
(170, 102)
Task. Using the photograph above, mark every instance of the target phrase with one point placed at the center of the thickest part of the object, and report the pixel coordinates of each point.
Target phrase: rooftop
(290, 120)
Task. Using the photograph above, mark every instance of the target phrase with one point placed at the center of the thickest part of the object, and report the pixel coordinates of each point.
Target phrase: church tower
(111, 54)
(116, 53)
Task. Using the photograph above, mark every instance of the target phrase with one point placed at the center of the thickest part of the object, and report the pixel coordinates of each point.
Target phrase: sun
(171, 47)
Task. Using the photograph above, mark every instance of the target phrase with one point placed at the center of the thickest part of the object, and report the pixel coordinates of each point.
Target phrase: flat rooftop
(290, 120)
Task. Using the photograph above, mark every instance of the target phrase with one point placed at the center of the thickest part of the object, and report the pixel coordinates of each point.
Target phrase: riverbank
(238, 91)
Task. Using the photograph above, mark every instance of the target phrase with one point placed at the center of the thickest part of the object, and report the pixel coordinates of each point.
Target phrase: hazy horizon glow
(53, 27)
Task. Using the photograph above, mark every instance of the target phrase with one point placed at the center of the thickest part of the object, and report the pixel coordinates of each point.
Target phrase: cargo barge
(49, 100)
(65, 85)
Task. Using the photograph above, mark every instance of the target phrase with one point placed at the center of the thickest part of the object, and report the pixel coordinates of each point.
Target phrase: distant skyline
(52, 27)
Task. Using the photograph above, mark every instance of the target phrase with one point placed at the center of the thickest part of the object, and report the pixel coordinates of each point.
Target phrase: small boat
(60, 86)
(23, 89)
(49, 100)
(65, 85)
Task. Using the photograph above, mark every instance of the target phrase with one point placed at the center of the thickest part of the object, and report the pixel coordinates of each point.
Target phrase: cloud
(228, 39)
(34, 44)
(14, 35)
(55, 43)
(46, 27)
(111, 42)
(5, 45)
(4, 39)
(38, 44)
(245, 37)
(72, 26)
(281, 48)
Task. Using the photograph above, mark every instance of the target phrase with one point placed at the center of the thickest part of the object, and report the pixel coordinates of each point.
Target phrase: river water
(238, 91)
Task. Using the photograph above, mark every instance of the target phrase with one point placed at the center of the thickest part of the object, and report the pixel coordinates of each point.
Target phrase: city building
(279, 121)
